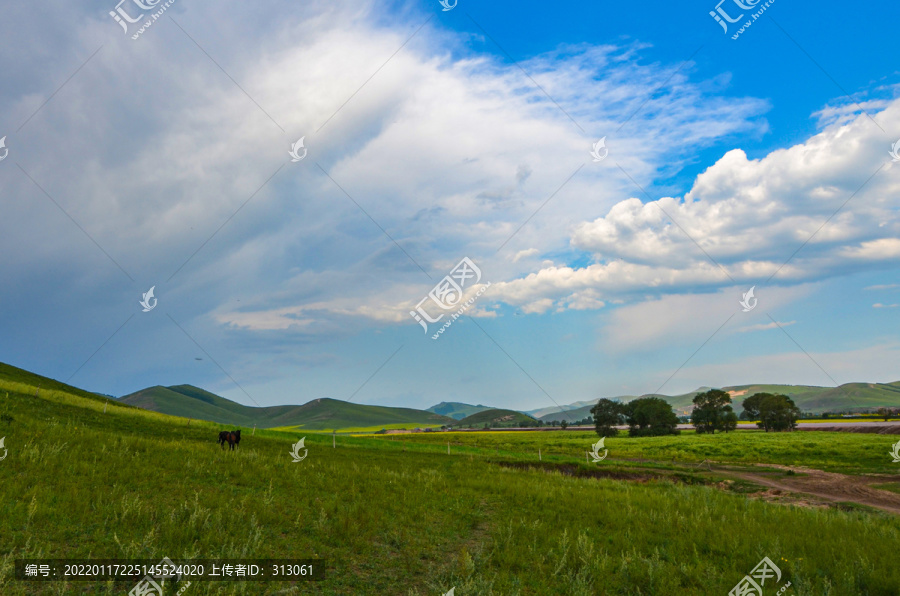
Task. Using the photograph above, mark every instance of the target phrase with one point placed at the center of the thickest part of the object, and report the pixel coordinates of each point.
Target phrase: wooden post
(254, 431)
(539, 455)
(333, 442)
(104, 406)
(448, 447)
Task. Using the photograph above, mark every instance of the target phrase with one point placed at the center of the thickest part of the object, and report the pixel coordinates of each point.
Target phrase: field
(398, 515)
(847, 453)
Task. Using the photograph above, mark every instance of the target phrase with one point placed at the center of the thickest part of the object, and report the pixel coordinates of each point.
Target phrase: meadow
(398, 515)
(846, 453)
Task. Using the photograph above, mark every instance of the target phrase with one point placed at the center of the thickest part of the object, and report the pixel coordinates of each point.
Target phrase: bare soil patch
(806, 487)
(826, 486)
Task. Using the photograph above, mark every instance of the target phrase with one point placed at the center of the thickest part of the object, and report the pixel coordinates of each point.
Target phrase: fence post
(333, 440)
(253, 434)
(448, 447)
(539, 455)
(104, 406)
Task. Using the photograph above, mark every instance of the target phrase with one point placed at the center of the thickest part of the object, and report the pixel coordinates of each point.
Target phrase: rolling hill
(495, 415)
(809, 398)
(456, 410)
(14, 376)
(188, 401)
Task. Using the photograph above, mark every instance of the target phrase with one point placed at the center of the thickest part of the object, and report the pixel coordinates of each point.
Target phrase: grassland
(846, 453)
(398, 515)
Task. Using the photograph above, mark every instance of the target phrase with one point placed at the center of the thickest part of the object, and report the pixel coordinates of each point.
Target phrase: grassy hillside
(169, 401)
(398, 515)
(187, 401)
(456, 410)
(495, 416)
(328, 414)
(18, 379)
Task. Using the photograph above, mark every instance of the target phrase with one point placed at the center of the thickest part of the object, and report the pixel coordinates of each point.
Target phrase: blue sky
(432, 135)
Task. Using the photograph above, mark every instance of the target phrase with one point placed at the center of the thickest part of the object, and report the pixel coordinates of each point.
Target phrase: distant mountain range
(188, 401)
(325, 414)
(456, 410)
(809, 398)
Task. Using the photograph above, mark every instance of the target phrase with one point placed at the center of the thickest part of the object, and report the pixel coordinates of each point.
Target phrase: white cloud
(766, 326)
(525, 253)
(750, 216)
(879, 305)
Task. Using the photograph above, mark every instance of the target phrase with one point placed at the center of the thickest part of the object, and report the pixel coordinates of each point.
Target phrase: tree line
(653, 416)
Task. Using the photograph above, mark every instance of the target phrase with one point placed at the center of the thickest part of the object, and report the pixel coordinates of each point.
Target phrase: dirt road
(828, 486)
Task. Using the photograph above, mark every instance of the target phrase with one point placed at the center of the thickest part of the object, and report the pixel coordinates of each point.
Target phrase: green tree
(564, 425)
(649, 417)
(606, 415)
(885, 413)
(752, 405)
(773, 412)
(713, 411)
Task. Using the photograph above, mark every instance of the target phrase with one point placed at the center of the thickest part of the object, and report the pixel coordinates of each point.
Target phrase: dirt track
(831, 487)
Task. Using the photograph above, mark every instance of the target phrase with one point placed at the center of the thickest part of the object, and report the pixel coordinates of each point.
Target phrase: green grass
(397, 515)
(848, 453)
(894, 487)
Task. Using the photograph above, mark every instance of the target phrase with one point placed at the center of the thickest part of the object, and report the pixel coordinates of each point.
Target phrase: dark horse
(233, 437)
